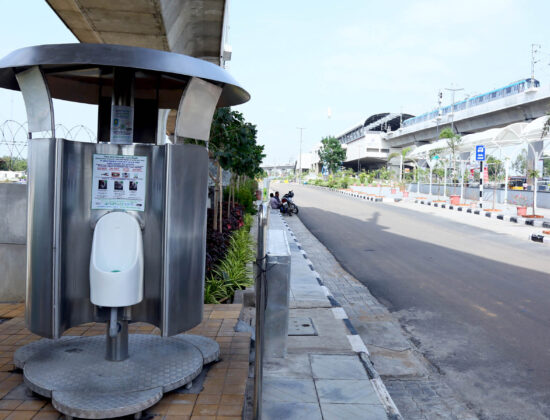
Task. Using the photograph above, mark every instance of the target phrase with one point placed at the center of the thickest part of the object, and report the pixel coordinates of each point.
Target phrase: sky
(24, 23)
(357, 57)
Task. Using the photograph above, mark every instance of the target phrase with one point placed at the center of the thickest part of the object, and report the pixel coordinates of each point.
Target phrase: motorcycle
(288, 204)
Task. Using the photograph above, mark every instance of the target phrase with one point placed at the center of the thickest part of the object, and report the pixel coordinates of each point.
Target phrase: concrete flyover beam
(191, 27)
(135, 23)
(195, 27)
(495, 114)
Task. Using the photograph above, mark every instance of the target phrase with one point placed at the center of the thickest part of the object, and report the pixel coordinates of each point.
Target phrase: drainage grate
(301, 326)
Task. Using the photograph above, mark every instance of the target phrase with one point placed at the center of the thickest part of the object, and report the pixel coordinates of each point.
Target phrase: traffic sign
(436, 157)
(480, 153)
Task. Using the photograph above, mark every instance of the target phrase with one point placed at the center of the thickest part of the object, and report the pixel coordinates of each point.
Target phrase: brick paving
(220, 398)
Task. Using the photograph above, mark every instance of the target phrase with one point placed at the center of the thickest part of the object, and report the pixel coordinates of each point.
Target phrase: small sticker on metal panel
(122, 124)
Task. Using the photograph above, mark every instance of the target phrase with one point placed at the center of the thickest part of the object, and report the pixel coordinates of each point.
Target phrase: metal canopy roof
(81, 72)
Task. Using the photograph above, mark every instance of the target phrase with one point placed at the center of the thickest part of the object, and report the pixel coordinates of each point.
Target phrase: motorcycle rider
(279, 204)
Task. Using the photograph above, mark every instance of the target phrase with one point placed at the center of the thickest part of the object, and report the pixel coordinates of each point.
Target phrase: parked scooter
(288, 204)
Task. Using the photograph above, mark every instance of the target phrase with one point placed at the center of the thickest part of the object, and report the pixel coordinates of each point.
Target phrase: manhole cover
(301, 326)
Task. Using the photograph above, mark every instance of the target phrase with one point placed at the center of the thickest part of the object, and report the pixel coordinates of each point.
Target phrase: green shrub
(245, 198)
(233, 272)
(245, 195)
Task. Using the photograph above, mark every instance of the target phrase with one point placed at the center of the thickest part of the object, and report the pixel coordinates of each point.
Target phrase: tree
(402, 154)
(453, 142)
(331, 153)
(8, 163)
(495, 168)
(520, 164)
(233, 147)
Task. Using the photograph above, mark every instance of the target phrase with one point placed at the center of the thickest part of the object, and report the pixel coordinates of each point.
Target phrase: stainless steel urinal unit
(116, 228)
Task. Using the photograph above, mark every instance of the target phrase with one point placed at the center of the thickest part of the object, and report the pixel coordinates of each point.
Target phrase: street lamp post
(300, 158)
(453, 90)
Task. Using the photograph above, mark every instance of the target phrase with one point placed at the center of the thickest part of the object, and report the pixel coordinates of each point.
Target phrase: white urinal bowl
(116, 262)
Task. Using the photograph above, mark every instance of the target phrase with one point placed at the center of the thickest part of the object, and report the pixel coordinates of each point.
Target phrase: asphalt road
(475, 302)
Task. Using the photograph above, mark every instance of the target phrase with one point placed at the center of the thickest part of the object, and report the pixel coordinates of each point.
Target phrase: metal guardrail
(261, 301)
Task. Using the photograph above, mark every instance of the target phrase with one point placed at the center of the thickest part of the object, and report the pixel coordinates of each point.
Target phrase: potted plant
(455, 199)
(521, 205)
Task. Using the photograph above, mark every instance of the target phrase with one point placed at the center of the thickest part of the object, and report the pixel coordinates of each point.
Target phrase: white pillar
(462, 181)
(535, 195)
(445, 181)
(430, 181)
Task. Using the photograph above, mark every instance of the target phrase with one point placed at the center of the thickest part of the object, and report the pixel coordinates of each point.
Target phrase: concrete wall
(13, 238)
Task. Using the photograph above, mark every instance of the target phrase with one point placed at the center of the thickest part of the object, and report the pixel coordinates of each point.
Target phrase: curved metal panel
(38, 102)
(196, 109)
(74, 70)
(39, 302)
(184, 233)
(60, 233)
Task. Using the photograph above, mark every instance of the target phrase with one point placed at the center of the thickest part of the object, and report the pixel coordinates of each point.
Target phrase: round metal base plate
(74, 373)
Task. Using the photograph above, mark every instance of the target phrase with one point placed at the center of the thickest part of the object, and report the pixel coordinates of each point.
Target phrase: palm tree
(453, 142)
(402, 155)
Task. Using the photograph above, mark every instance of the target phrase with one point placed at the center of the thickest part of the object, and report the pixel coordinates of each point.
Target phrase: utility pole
(453, 90)
(300, 171)
(439, 101)
(534, 50)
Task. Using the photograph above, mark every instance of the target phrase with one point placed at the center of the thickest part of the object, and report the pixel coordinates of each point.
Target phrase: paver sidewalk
(327, 375)
(414, 385)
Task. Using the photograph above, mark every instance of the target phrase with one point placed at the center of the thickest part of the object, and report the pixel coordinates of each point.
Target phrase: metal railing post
(260, 289)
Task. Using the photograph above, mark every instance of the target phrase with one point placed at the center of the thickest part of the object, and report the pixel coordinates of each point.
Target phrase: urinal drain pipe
(113, 325)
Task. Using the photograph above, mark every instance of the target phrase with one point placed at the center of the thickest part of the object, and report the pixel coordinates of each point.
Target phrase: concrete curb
(472, 210)
(541, 239)
(356, 342)
(504, 217)
(375, 199)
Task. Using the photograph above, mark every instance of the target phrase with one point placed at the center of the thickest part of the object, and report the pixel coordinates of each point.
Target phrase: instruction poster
(119, 182)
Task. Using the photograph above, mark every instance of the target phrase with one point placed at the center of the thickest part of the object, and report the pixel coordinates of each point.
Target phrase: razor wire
(14, 137)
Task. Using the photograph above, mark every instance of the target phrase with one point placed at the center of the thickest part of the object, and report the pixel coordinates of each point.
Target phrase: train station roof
(494, 138)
